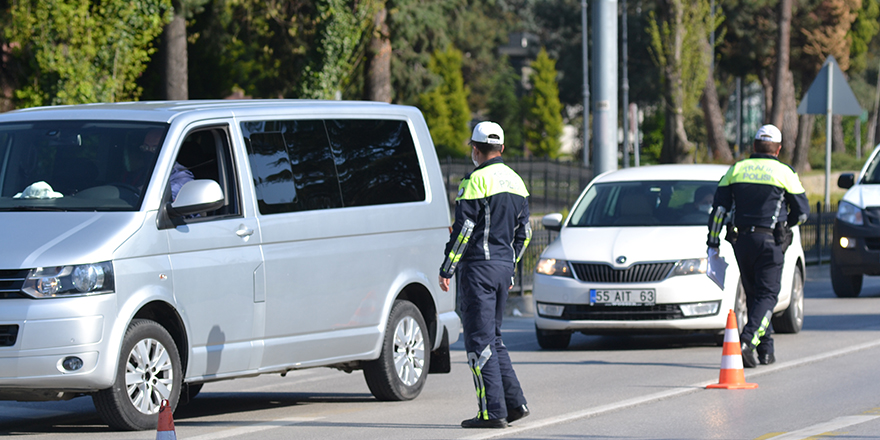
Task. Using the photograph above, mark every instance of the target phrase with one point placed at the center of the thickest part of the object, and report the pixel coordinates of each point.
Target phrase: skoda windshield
(648, 203)
(76, 165)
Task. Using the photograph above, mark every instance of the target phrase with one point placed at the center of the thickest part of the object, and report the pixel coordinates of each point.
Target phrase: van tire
(792, 318)
(403, 364)
(845, 286)
(115, 405)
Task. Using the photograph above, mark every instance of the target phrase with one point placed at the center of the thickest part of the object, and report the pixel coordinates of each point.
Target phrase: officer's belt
(756, 230)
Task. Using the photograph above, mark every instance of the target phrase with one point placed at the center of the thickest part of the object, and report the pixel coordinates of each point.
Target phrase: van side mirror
(846, 180)
(552, 222)
(196, 196)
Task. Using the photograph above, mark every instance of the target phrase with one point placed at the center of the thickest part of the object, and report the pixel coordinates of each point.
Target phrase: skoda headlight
(85, 279)
(847, 212)
(692, 266)
(552, 266)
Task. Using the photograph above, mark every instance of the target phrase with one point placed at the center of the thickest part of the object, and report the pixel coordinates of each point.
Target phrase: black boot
(750, 359)
(514, 414)
(479, 422)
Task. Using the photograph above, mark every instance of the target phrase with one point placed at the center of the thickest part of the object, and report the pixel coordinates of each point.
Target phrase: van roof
(165, 111)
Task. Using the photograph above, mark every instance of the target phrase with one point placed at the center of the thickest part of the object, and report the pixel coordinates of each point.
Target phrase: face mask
(473, 158)
(705, 208)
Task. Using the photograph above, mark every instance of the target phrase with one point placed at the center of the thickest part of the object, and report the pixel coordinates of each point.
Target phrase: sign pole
(828, 139)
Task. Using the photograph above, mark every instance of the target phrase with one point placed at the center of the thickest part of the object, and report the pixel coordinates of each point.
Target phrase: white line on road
(821, 428)
(598, 410)
(252, 428)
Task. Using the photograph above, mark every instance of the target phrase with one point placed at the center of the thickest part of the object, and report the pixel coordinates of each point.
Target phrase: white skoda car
(631, 258)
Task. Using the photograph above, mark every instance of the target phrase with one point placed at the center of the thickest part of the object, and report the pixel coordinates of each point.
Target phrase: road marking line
(825, 427)
(255, 427)
(679, 391)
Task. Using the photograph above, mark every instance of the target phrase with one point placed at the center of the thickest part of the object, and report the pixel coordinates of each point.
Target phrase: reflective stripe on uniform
(467, 228)
(525, 243)
(762, 329)
(477, 364)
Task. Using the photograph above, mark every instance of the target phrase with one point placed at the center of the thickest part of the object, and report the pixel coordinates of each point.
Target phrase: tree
(712, 114)
(542, 109)
(377, 84)
(341, 27)
(504, 107)
(449, 127)
(174, 49)
(678, 27)
(81, 52)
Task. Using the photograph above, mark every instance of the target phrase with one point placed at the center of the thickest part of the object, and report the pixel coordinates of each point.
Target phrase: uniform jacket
(493, 200)
(762, 191)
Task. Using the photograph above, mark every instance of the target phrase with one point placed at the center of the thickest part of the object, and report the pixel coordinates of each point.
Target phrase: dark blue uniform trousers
(760, 262)
(483, 287)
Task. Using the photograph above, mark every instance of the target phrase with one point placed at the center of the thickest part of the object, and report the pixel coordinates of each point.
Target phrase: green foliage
(82, 52)
(449, 126)
(542, 109)
(342, 27)
(864, 29)
(677, 46)
(505, 109)
(652, 143)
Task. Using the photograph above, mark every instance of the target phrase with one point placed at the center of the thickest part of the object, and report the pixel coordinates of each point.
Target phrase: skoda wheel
(402, 367)
(845, 286)
(553, 340)
(149, 372)
(792, 319)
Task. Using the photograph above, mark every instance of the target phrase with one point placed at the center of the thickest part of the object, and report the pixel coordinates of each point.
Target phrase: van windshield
(657, 203)
(77, 165)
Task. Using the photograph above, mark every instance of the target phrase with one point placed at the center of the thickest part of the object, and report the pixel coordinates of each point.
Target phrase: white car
(631, 258)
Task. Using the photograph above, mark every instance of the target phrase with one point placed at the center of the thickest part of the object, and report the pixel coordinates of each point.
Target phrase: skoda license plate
(623, 297)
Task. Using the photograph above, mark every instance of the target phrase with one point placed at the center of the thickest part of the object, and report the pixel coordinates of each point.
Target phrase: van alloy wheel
(403, 364)
(148, 372)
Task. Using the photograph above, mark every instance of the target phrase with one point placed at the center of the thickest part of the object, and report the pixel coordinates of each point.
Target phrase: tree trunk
(837, 144)
(715, 122)
(800, 160)
(676, 147)
(790, 122)
(783, 49)
(378, 83)
(175, 57)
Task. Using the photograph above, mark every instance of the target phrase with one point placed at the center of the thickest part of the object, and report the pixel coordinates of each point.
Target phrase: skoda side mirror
(846, 180)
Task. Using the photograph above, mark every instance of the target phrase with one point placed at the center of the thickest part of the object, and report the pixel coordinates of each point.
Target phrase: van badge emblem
(621, 259)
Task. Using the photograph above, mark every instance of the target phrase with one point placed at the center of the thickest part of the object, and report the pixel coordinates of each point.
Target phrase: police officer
(767, 199)
(490, 233)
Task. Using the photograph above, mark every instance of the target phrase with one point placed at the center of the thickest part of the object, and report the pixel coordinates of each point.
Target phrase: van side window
(292, 166)
(206, 154)
(376, 162)
(304, 165)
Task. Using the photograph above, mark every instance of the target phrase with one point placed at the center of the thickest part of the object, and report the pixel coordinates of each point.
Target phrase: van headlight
(552, 266)
(847, 212)
(84, 279)
(692, 266)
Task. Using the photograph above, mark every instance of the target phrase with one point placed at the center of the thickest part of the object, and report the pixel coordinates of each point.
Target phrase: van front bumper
(32, 361)
(862, 256)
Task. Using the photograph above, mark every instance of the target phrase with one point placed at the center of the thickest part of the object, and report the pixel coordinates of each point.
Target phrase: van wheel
(402, 367)
(845, 286)
(148, 372)
(553, 340)
(741, 308)
(792, 319)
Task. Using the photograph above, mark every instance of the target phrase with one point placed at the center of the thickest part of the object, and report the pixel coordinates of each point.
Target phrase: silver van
(151, 247)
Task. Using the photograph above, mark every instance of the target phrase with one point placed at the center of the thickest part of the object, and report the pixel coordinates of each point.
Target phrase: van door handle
(244, 231)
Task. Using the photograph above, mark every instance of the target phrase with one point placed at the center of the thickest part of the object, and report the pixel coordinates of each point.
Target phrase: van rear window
(302, 165)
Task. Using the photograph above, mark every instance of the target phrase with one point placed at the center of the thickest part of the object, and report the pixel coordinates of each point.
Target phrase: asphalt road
(825, 383)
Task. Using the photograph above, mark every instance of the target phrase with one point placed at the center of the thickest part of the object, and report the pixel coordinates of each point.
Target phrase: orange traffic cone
(165, 430)
(732, 376)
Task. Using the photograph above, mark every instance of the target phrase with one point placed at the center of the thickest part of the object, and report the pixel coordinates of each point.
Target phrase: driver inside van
(139, 159)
